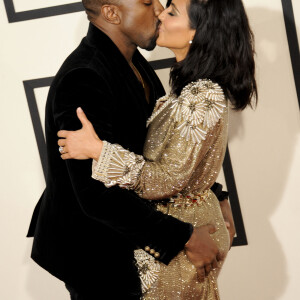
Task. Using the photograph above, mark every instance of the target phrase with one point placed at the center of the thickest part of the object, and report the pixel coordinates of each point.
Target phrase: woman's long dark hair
(222, 50)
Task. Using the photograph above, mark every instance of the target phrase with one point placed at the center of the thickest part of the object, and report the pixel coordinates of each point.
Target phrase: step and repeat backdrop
(261, 168)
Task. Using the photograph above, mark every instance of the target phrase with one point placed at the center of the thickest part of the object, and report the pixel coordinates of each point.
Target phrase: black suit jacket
(84, 233)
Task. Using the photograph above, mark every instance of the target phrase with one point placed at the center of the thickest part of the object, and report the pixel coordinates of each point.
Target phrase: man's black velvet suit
(84, 233)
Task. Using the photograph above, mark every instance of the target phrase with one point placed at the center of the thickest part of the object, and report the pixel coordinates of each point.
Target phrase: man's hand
(227, 215)
(202, 250)
(80, 144)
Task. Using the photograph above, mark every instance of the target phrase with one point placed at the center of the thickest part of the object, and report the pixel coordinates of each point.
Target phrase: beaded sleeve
(194, 115)
(117, 166)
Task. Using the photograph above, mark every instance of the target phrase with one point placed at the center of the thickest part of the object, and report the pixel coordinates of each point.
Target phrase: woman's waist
(199, 208)
(188, 199)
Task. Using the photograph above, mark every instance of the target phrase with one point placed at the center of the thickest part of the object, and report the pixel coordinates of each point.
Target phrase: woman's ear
(111, 13)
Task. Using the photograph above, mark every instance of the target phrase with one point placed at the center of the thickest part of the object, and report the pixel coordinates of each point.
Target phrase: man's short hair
(92, 7)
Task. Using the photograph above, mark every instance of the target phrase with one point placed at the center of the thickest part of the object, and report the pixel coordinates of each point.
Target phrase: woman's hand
(80, 144)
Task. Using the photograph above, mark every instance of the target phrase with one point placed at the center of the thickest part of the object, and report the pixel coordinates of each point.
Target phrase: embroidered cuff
(148, 268)
(117, 166)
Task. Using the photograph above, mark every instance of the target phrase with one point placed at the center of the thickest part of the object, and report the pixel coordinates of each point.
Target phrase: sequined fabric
(117, 166)
(183, 155)
(178, 280)
(183, 151)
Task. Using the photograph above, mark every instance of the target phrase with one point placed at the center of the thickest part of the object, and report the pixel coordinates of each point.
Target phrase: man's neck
(126, 47)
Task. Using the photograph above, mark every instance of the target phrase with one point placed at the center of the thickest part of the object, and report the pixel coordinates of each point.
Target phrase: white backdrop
(264, 147)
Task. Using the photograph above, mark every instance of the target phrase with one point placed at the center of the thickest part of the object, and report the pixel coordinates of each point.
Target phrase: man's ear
(111, 13)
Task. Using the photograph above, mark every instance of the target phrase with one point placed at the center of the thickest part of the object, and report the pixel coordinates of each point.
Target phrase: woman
(187, 135)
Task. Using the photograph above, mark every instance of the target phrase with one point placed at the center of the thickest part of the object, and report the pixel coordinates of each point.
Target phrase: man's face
(140, 21)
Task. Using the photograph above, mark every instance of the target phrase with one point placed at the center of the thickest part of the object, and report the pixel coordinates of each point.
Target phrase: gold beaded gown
(183, 155)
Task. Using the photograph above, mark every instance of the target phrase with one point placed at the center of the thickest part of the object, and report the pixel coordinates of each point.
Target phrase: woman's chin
(160, 43)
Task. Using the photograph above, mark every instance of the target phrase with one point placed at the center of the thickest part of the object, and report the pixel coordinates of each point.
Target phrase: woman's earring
(190, 41)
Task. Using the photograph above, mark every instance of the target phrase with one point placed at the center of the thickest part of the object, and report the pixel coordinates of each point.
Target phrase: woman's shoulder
(201, 102)
(201, 85)
(198, 109)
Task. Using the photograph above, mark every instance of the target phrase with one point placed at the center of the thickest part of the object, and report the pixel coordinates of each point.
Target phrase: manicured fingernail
(79, 109)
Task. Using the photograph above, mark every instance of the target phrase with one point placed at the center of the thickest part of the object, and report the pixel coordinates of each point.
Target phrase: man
(85, 234)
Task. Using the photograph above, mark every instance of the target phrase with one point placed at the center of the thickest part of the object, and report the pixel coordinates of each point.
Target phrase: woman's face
(175, 32)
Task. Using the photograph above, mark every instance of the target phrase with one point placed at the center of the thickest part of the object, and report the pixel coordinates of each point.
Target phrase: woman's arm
(197, 112)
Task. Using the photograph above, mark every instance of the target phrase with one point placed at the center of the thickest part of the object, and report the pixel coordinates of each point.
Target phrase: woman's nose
(162, 16)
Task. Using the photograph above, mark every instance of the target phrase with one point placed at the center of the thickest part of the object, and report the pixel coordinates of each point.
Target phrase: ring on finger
(61, 149)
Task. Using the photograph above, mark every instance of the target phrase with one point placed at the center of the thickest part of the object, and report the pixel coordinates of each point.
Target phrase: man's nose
(158, 8)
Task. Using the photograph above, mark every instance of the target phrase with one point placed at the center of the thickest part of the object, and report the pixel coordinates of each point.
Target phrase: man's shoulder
(85, 57)
(84, 63)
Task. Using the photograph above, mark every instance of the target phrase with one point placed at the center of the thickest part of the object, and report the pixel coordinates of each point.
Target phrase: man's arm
(117, 208)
